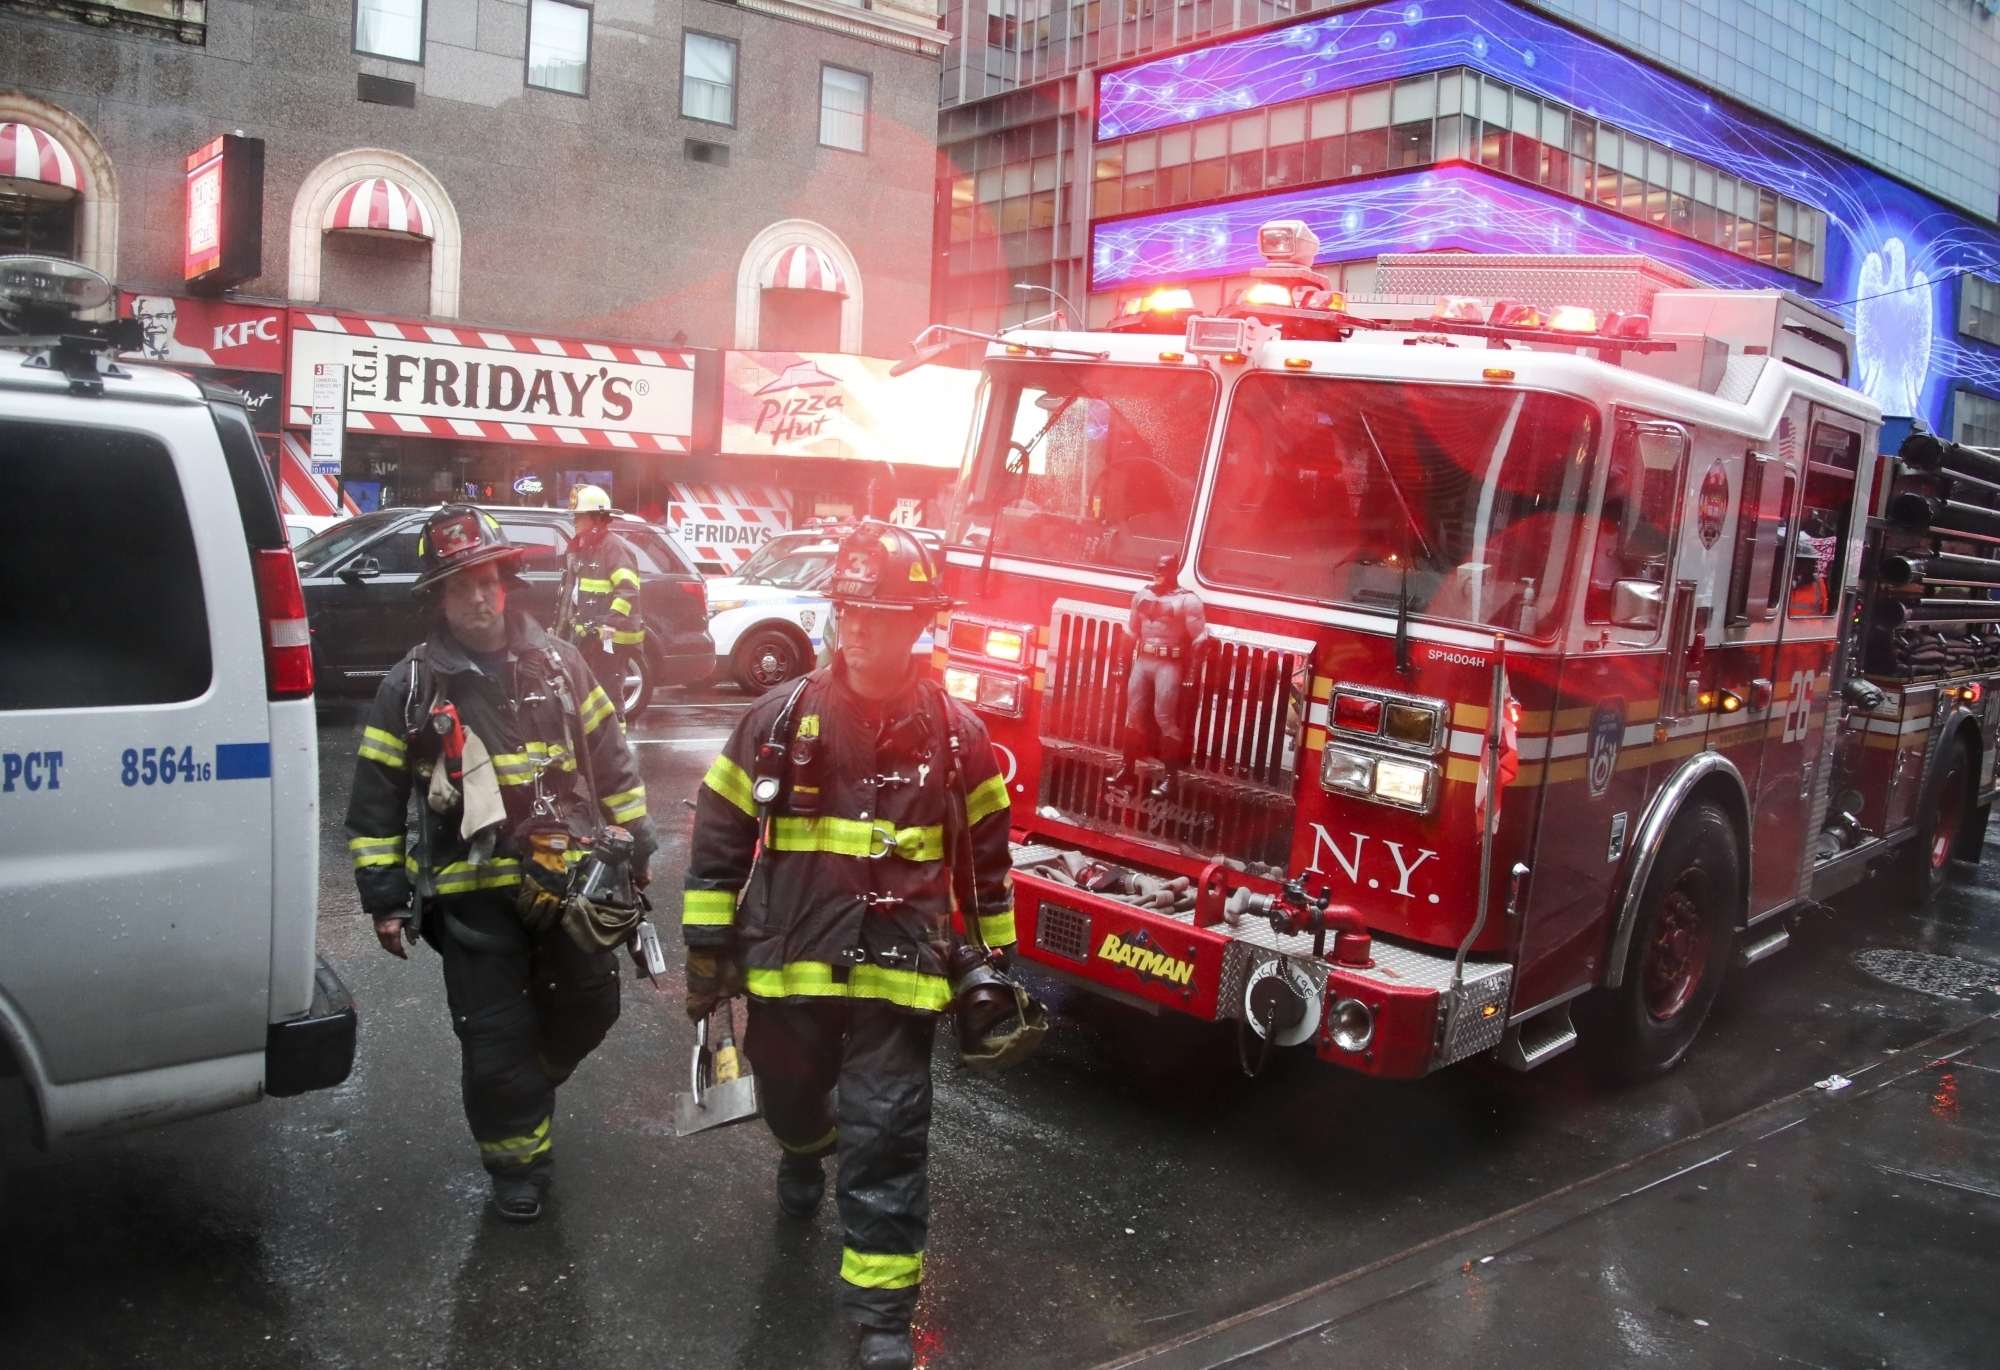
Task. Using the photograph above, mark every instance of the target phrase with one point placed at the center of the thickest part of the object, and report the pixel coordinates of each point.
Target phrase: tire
(1679, 953)
(1942, 816)
(768, 657)
(636, 690)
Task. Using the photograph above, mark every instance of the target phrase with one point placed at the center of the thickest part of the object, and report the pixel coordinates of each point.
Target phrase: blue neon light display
(1890, 252)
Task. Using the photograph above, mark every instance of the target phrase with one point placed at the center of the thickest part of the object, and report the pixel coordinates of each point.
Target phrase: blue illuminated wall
(1882, 237)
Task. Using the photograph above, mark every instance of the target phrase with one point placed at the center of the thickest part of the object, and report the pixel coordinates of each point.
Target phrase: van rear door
(135, 757)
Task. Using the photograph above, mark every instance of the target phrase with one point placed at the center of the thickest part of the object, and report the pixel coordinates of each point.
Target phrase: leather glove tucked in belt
(713, 975)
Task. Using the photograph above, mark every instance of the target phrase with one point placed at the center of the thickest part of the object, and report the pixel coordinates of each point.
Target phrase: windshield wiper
(1409, 527)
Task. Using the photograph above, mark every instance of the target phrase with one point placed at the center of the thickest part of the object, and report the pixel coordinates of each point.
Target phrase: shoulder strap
(957, 824)
(421, 700)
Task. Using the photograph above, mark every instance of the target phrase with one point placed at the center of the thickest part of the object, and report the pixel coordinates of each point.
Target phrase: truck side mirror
(1638, 604)
(360, 569)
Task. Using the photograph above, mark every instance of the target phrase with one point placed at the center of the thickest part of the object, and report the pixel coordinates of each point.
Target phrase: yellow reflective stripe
(628, 638)
(626, 805)
(590, 585)
(385, 747)
(708, 909)
(814, 980)
(557, 754)
(988, 799)
(856, 837)
(832, 1136)
(596, 708)
(621, 605)
(519, 1150)
(625, 573)
(997, 929)
(873, 1270)
(376, 851)
(462, 877)
(728, 779)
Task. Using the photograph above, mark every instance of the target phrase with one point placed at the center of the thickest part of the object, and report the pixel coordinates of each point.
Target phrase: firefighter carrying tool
(845, 819)
(599, 604)
(531, 836)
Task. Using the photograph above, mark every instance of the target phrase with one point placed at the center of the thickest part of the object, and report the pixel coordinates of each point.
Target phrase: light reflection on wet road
(1126, 1185)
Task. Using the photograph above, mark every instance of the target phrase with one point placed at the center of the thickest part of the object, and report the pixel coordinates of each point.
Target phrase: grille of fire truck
(1065, 932)
(1236, 794)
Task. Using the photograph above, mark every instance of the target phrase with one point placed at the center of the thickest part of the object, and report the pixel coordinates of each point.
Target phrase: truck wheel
(635, 685)
(766, 659)
(1679, 950)
(1942, 817)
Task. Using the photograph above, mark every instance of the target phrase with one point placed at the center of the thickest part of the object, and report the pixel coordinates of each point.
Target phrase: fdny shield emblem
(1607, 730)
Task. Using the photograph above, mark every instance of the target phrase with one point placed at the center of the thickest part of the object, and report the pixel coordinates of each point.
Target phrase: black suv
(357, 578)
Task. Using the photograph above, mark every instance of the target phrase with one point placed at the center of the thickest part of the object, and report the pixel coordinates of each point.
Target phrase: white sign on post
(329, 415)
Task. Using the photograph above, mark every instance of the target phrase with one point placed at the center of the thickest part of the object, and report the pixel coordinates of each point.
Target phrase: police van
(159, 771)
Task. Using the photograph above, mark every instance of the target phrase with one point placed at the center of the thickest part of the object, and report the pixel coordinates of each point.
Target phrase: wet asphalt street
(1126, 1187)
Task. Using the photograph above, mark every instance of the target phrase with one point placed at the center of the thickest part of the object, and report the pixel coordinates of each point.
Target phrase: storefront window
(31, 221)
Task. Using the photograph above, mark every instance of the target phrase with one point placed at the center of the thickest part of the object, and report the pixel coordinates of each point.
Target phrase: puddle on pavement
(1945, 977)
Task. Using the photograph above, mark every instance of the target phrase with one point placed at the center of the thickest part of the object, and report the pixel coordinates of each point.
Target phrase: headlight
(1401, 782)
(1352, 1025)
(1003, 644)
(1415, 724)
(961, 684)
(1345, 770)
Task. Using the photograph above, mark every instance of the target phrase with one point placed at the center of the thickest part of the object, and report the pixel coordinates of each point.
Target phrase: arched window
(798, 290)
(58, 194)
(375, 230)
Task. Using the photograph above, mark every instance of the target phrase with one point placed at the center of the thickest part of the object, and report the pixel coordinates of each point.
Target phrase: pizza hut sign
(474, 383)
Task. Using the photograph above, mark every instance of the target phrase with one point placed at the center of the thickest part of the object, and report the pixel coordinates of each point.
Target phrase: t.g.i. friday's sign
(447, 381)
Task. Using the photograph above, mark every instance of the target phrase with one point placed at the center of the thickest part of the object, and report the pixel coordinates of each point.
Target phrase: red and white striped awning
(803, 267)
(28, 154)
(302, 490)
(380, 205)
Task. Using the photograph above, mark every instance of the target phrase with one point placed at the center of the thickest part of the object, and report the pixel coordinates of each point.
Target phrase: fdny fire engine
(1567, 639)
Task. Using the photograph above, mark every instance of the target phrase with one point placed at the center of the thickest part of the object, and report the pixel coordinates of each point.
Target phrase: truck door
(135, 744)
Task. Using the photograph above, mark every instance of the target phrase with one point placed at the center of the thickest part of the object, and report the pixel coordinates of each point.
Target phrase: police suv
(159, 771)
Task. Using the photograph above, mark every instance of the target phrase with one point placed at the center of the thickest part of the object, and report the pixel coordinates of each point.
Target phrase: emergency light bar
(49, 285)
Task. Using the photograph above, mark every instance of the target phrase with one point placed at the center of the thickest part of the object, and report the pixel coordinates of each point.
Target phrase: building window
(798, 321)
(843, 109)
(1979, 308)
(559, 46)
(34, 221)
(1976, 419)
(390, 28)
(708, 78)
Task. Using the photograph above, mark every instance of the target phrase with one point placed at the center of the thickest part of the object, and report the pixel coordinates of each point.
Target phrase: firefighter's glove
(714, 976)
(544, 880)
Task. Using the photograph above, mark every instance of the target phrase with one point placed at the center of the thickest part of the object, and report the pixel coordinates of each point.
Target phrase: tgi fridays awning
(452, 381)
(302, 490)
(28, 154)
(722, 526)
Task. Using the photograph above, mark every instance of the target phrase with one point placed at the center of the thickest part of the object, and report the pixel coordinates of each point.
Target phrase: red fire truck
(1567, 640)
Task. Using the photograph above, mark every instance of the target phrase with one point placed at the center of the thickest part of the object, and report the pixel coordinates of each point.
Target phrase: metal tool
(722, 1093)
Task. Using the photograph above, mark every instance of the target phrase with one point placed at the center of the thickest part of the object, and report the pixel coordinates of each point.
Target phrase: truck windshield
(1086, 464)
(1361, 492)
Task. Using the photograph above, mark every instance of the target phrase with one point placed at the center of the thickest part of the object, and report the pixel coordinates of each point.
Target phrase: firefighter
(599, 604)
(1169, 632)
(829, 838)
(514, 758)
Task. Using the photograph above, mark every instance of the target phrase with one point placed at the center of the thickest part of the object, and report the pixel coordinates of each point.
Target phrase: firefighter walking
(599, 605)
(519, 772)
(830, 836)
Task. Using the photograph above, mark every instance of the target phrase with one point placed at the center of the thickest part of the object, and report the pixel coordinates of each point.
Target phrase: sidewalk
(1852, 1226)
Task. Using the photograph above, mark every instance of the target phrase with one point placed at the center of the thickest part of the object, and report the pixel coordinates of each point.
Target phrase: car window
(128, 624)
(656, 555)
(542, 544)
(397, 553)
(324, 549)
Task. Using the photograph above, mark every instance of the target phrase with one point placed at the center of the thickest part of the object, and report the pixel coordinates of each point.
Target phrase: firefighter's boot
(1128, 761)
(801, 1185)
(886, 1348)
(518, 1198)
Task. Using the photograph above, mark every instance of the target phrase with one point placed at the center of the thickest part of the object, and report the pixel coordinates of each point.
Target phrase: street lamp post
(1069, 310)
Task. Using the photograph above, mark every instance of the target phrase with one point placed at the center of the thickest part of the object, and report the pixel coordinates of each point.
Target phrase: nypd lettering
(1141, 954)
(30, 772)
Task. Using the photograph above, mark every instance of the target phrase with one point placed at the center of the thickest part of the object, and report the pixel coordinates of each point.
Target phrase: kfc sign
(193, 332)
(224, 213)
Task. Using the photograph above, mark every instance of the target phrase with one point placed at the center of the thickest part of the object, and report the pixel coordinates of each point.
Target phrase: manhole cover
(1947, 977)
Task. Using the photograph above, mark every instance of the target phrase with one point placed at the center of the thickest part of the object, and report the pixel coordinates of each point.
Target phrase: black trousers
(854, 1077)
(526, 1011)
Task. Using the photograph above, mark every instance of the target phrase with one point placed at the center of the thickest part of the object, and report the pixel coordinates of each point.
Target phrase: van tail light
(288, 663)
(697, 590)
